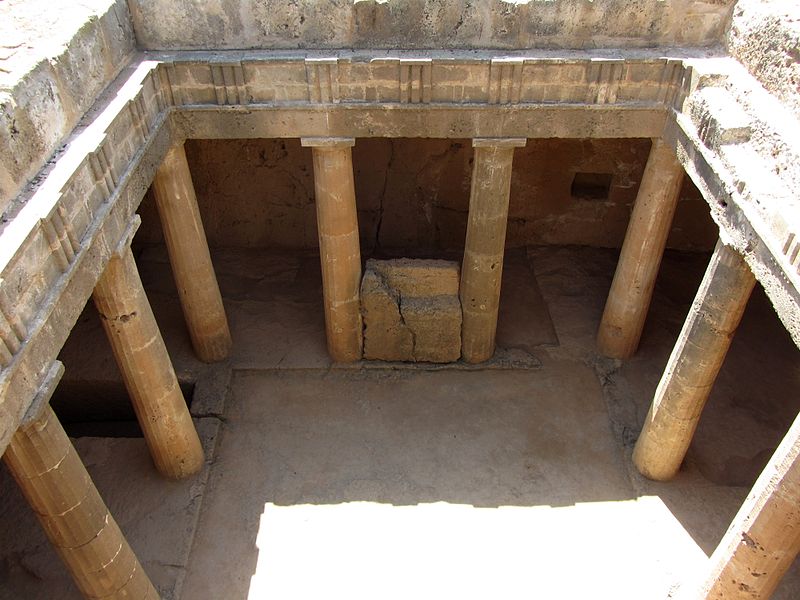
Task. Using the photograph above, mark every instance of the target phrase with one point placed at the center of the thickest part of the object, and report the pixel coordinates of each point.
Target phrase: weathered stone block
(386, 335)
(415, 278)
(436, 326)
(411, 310)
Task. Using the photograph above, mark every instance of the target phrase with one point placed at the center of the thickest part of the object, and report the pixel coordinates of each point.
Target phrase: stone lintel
(499, 142)
(465, 121)
(44, 394)
(327, 142)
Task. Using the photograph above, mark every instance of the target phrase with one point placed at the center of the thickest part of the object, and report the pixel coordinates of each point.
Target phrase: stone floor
(380, 480)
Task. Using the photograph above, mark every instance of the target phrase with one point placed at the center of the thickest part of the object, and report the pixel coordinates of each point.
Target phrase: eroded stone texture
(55, 59)
(162, 24)
(764, 37)
(411, 310)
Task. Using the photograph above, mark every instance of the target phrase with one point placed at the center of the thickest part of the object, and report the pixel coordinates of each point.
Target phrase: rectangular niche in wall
(591, 186)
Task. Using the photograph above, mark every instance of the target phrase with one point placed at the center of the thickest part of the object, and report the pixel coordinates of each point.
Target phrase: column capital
(499, 142)
(327, 142)
(127, 236)
(46, 391)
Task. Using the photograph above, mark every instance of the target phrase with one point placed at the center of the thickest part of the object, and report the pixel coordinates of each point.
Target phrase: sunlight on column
(622, 549)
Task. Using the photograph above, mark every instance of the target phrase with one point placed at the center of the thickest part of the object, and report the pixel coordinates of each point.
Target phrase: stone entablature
(432, 77)
(62, 231)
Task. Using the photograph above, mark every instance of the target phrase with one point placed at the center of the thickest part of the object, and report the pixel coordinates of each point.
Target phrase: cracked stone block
(386, 336)
(411, 310)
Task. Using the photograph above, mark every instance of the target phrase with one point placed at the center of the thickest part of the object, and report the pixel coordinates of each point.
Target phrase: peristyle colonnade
(758, 548)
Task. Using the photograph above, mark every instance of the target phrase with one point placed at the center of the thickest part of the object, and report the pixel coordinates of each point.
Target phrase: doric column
(694, 364)
(191, 262)
(339, 251)
(146, 367)
(632, 287)
(482, 267)
(764, 537)
(53, 479)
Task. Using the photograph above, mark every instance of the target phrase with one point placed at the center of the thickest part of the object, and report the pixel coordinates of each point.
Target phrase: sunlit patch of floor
(620, 549)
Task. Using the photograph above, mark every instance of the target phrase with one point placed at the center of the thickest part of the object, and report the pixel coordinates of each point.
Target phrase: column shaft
(147, 369)
(632, 287)
(764, 537)
(482, 267)
(53, 479)
(339, 250)
(191, 262)
(694, 364)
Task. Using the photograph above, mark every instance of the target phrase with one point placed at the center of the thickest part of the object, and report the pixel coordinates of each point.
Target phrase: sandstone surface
(411, 310)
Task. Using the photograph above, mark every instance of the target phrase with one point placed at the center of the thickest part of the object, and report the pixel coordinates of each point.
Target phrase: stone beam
(60, 492)
(694, 364)
(482, 267)
(339, 249)
(365, 120)
(640, 258)
(190, 258)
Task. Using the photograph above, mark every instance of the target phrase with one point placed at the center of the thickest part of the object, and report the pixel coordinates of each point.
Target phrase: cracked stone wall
(413, 195)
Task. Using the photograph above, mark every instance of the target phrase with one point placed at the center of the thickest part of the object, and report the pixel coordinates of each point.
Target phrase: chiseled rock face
(410, 24)
(411, 310)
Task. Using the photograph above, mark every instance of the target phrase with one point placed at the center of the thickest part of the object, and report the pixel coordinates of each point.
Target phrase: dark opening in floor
(100, 408)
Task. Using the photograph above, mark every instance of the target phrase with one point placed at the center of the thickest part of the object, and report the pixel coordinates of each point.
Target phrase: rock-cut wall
(414, 194)
(55, 59)
(412, 24)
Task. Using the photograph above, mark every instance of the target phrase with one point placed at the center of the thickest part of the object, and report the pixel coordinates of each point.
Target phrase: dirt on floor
(506, 481)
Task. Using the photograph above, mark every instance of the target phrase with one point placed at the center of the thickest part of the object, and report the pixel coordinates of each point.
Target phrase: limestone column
(482, 267)
(191, 262)
(764, 537)
(632, 287)
(147, 369)
(339, 251)
(53, 479)
(694, 364)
